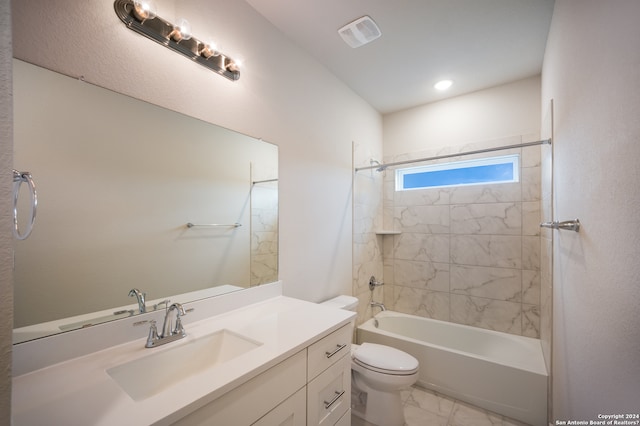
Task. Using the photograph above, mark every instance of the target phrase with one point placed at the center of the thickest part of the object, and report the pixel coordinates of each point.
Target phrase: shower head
(382, 167)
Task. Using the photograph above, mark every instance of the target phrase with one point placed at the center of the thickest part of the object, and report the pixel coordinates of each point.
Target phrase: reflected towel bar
(231, 225)
(567, 225)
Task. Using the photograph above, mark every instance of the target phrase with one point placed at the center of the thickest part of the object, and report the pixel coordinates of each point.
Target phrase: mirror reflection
(118, 181)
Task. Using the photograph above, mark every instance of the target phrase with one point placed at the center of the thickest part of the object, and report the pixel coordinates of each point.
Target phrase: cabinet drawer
(328, 350)
(329, 394)
(250, 401)
(292, 412)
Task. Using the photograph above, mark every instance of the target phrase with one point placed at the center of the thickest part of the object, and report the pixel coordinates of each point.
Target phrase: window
(503, 169)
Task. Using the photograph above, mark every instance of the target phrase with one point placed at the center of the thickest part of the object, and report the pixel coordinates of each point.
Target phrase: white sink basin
(161, 370)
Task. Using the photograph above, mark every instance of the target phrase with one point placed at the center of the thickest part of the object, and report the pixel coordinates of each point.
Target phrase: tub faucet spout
(379, 305)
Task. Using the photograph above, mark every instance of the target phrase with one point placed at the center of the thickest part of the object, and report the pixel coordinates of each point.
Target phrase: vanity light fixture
(140, 16)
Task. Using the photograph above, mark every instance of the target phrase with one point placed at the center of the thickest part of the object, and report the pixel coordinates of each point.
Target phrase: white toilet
(378, 374)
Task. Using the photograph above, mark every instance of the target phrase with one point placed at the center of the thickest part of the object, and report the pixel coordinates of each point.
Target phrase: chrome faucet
(140, 296)
(169, 333)
(166, 326)
(379, 305)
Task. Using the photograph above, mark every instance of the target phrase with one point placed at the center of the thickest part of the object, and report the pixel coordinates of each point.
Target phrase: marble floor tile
(414, 416)
(433, 402)
(427, 408)
(464, 414)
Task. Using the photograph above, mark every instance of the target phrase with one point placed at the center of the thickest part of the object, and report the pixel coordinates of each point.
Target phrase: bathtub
(500, 372)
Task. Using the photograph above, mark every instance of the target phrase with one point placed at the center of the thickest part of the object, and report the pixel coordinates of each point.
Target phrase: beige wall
(591, 72)
(6, 251)
(507, 110)
(283, 96)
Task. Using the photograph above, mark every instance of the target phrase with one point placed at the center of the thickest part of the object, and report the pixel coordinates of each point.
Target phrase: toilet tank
(349, 303)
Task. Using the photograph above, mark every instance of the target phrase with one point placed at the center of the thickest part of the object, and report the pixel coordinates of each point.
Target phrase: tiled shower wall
(367, 245)
(469, 255)
(264, 233)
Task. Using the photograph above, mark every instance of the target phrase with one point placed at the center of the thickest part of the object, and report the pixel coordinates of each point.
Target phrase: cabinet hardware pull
(338, 349)
(333, 401)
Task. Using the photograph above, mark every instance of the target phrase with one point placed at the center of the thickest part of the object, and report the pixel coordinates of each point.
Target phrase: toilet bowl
(378, 374)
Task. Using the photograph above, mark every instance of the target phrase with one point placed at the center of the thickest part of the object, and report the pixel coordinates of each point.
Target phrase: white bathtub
(497, 371)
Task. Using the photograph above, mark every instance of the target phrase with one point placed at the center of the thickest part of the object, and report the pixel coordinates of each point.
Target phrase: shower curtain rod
(382, 167)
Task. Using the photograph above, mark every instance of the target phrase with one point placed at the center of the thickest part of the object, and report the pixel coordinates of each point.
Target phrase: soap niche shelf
(387, 232)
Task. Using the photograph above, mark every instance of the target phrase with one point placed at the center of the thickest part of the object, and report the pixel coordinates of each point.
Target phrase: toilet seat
(385, 359)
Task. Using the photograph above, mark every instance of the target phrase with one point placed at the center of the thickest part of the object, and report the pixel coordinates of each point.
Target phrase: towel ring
(18, 179)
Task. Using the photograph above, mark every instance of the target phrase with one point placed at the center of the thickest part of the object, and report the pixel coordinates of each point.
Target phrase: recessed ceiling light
(443, 84)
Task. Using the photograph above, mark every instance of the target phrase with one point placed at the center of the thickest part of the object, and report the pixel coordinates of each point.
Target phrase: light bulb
(185, 29)
(144, 9)
(209, 50)
(443, 84)
(233, 65)
(181, 31)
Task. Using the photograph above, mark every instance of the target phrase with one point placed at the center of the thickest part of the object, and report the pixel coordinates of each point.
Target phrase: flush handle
(338, 349)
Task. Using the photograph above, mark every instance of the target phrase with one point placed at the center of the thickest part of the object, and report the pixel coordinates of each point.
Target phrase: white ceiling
(475, 43)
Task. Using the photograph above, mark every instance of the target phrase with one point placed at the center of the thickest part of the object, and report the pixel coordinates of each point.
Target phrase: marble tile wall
(469, 255)
(367, 244)
(264, 233)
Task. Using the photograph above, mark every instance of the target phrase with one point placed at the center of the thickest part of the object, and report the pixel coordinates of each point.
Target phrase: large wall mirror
(118, 180)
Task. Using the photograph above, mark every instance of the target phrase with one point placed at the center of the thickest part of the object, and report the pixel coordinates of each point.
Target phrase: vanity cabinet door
(292, 412)
(250, 401)
(345, 420)
(329, 394)
(329, 349)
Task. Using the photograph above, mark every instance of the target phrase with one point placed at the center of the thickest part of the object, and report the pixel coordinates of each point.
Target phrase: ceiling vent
(360, 32)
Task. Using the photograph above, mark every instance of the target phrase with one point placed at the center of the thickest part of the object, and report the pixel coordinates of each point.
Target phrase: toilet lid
(385, 359)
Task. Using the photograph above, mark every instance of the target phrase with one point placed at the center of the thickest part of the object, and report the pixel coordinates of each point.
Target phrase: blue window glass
(473, 172)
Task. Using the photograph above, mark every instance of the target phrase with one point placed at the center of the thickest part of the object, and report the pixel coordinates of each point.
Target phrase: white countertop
(80, 391)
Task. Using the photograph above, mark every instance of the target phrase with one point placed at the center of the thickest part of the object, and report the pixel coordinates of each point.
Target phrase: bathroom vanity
(273, 361)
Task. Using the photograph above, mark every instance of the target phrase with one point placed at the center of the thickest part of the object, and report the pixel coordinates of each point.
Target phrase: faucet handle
(179, 329)
(153, 334)
(373, 283)
(165, 302)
